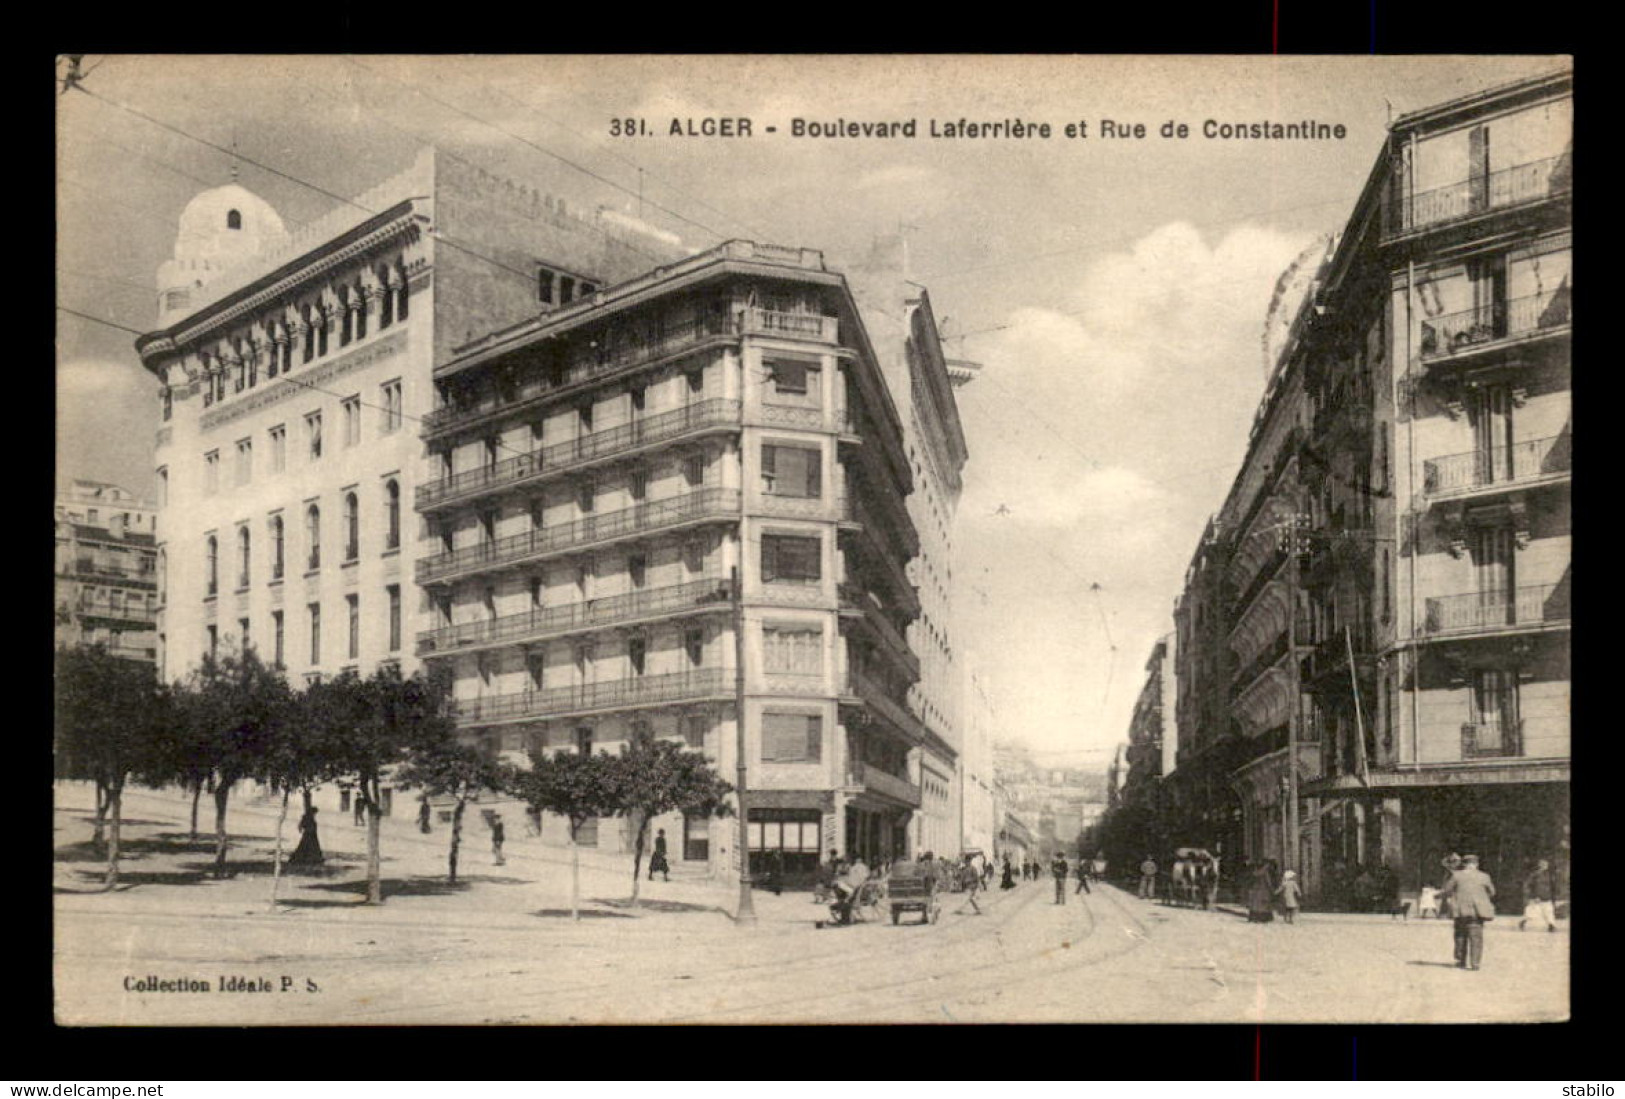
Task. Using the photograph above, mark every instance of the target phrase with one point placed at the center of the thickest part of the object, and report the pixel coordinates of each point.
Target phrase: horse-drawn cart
(913, 888)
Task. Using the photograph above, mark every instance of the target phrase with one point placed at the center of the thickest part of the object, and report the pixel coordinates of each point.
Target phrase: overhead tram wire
(541, 149)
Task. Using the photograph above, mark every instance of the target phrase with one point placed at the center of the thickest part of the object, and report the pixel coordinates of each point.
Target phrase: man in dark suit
(1472, 895)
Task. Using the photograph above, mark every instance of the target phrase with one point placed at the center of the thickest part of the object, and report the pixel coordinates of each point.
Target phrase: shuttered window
(792, 471)
(792, 738)
(790, 559)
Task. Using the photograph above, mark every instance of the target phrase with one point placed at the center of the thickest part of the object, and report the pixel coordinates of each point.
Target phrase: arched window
(212, 552)
(400, 294)
(313, 535)
(386, 304)
(392, 515)
(359, 296)
(352, 527)
(347, 321)
(276, 547)
(242, 557)
(311, 319)
(234, 220)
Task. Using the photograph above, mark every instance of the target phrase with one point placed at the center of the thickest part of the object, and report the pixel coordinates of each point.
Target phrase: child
(1290, 893)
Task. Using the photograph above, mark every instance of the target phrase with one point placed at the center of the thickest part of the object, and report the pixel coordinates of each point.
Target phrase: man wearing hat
(1472, 895)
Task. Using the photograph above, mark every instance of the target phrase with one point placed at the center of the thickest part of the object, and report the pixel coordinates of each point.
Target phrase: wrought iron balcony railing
(559, 458)
(1452, 333)
(699, 595)
(854, 598)
(1476, 612)
(873, 778)
(1529, 460)
(873, 694)
(1508, 187)
(1489, 739)
(703, 504)
(579, 698)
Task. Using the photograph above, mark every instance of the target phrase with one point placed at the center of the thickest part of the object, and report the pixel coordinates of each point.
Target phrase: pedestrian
(1148, 879)
(657, 861)
(1083, 875)
(498, 833)
(1472, 897)
(533, 820)
(1290, 893)
(309, 851)
(970, 880)
(987, 872)
(423, 814)
(1060, 871)
(823, 884)
(1451, 864)
(1261, 894)
(1008, 881)
(360, 809)
(1540, 896)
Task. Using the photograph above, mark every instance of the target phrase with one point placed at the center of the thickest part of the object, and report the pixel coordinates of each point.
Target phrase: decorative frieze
(315, 377)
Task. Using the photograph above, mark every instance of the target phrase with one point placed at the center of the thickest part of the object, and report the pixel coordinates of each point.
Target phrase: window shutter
(815, 473)
(815, 738)
(770, 456)
(770, 563)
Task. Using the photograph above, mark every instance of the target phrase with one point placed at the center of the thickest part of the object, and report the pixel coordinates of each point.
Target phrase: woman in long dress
(1261, 894)
(1008, 880)
(309, 851)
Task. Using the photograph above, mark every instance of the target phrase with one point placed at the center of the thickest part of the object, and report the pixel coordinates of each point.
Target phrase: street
(504, 950)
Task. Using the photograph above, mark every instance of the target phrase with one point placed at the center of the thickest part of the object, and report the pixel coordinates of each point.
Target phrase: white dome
(225, 224)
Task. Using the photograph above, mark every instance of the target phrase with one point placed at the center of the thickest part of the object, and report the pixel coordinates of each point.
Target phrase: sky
(1115, 290)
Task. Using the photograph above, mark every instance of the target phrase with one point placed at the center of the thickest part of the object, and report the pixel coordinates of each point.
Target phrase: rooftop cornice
(1551, 85)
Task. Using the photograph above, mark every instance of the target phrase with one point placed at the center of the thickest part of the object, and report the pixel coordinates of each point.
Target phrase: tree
(371, 726)
(109, 713)
(297, 756)
(232, 709)
(456, 771)
(576, 787)
(652, 777)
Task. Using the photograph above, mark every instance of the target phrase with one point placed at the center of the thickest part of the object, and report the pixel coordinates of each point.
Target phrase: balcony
(86, 569)
(116, 613)
(561, 458)
(854, 600)
(1508, 188)
(589, 365)
(795, 326)
(1523, 463)
(896, 787)
(548, 622)
(585, 698)
(1545, 605)
(693, 507)
(1496, 323)
(1492, 739)
(873, 695)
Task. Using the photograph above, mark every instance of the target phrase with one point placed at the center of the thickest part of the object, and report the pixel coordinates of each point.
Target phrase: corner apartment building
(596, 479)
(106, 570)
(1152, 735)
(1468, 216)
(293, 370)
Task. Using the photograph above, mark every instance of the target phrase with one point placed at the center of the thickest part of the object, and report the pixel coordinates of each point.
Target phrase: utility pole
(746, 914)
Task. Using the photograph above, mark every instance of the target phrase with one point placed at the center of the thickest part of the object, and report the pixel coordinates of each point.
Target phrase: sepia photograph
(738, 539)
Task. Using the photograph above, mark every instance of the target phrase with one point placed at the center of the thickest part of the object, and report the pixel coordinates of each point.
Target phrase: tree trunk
(456, 838)
(637, 854)
(99, 839)
(114, 807)
(197, 795)
(307, 796)
(575, 873)
(375, 882)
(222, 792)
(276, 860)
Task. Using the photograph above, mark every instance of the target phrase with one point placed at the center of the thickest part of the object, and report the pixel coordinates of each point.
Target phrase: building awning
(1470, 774)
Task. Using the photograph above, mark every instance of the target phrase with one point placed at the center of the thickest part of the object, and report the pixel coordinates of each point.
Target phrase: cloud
(106, 413)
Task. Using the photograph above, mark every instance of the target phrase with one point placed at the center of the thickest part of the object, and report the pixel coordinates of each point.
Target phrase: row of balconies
(1521, 463)
(528, 546)
(1542, 605)
(871, 777)
(561, 458)
(1471, 329)
(854, 599)
(1519, 185)
(585, 698)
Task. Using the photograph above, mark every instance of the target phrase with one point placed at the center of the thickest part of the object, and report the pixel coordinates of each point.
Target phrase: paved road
(502, 953)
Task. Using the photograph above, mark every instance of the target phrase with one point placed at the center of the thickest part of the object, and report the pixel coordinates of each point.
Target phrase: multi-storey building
(982, 797)
(1152, 733)
(106, 570)
(293, 371)
(1467, 222)
(615, 487)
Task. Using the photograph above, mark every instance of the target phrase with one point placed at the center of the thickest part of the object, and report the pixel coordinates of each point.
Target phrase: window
(394, 592)
(353, 610)
(392, 515)
(313, 321)
(584, 497)
(637, 654)
(567, 287)
(638, 483)
(584, 739)
(211, 553)
(315, 611)
(790, 378)
(694, 646)
(536, 666)
(696, 838)
(386, 299)
(234, 219)
(242, 557)
(213, 634)
(313, 431)
(163, 487)
(313, 536)
(276, 633)
(792, 738)
(693, 726)
(791, 559)
(242, 633)
(792, 471)
(352, 527)
(279, 448)
(793, 650)
(352, 420)
(1386, 585)
(1494, 713)
(637, 569)
(245, 461)
(694, 470)
(696, 382)
(536, 592)
(584, 418)
(359, 308)
(544, 287)
(277, 543)
(211, 472)
(390, 392)
(490, 602)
